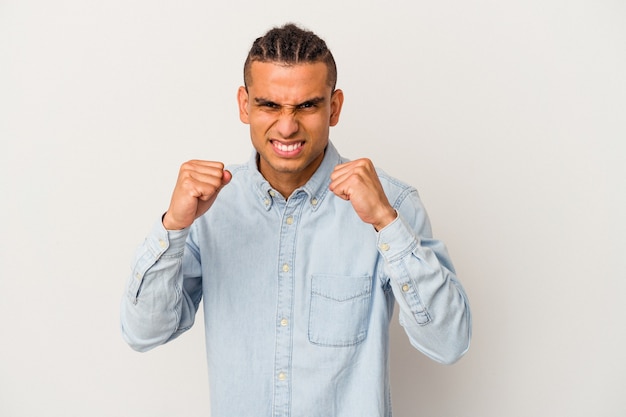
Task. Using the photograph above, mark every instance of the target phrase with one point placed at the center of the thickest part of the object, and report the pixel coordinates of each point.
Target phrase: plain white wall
(508, 116)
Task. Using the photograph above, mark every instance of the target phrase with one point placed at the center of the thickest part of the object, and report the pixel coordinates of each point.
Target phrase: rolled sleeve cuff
(396, 240)
(159, 242)
(396, 243)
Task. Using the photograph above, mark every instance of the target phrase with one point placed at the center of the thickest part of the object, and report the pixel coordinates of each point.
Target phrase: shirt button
(290, 220)
(162, 243)
(284, 322)
(285, 268)
(314, 201)
(406, 288)
(282, 376)
(266, 201)
(384, 247)
(138, 275)
(273, 193)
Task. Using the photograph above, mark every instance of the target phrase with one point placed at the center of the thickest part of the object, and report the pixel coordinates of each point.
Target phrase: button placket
(284, 312)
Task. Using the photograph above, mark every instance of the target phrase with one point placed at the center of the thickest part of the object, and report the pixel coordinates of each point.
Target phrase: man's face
(290, 110)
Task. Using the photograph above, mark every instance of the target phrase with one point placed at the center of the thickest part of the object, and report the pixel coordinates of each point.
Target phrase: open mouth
(288, 148)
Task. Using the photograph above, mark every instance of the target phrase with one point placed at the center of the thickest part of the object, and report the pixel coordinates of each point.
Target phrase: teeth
(287, 148)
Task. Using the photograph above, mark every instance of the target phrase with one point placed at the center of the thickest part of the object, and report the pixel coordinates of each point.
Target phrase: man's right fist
(197, 186)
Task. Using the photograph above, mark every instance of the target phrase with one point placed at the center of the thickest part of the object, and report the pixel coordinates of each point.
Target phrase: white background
(509, 117)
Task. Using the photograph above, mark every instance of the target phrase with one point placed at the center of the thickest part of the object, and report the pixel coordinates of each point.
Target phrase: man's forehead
(286, 73)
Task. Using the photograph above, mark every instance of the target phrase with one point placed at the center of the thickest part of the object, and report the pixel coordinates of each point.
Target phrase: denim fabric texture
(298, 295)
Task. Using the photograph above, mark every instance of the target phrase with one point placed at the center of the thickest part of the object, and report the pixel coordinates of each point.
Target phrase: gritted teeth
(287, 148)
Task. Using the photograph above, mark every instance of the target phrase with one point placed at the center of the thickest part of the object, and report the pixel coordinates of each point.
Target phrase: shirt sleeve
(434, 309)
(159, 302)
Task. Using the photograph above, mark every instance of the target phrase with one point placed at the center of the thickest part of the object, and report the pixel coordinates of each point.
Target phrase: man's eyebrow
(314, 100)
(311, 101)
(260, 100)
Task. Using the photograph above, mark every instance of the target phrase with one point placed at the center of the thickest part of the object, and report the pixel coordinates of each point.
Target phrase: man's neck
(287, 182)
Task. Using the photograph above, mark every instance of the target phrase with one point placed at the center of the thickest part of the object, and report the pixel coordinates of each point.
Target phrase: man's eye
(307, 105)
(267, 105)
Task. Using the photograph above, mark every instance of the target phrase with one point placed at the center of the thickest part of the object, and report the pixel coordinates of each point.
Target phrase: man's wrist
(168, 224)
(387, 219)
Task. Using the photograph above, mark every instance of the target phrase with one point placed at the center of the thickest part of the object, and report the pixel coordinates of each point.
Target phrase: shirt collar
(316, 188)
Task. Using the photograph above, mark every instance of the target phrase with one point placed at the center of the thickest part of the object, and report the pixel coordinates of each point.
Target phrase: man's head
(290, 102)
(291, 45)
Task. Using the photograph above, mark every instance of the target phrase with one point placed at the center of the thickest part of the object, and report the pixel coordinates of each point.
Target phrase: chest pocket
(340, 307)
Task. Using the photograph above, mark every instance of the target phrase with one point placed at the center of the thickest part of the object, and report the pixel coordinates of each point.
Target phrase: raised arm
(165, 286)
(434, 309)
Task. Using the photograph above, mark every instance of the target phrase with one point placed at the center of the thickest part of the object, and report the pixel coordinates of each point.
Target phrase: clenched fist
(197, 186)
(358, 182)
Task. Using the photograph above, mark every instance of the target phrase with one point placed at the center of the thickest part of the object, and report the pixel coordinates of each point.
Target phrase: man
(298, 256)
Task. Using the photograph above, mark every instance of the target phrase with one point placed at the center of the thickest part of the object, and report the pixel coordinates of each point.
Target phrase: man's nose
(287, 124)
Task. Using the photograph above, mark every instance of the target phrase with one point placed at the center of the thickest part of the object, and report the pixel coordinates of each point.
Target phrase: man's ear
(243, 101)
(336, 102)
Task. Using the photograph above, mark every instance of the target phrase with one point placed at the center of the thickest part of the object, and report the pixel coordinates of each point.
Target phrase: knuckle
(187, 166)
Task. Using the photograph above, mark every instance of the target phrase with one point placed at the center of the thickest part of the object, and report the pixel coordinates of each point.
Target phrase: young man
(298, 256)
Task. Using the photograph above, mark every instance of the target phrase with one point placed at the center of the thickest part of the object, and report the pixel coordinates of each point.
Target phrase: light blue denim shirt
(298, 295)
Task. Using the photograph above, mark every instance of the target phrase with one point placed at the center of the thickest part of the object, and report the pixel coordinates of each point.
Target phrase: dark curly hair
(290, 45)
